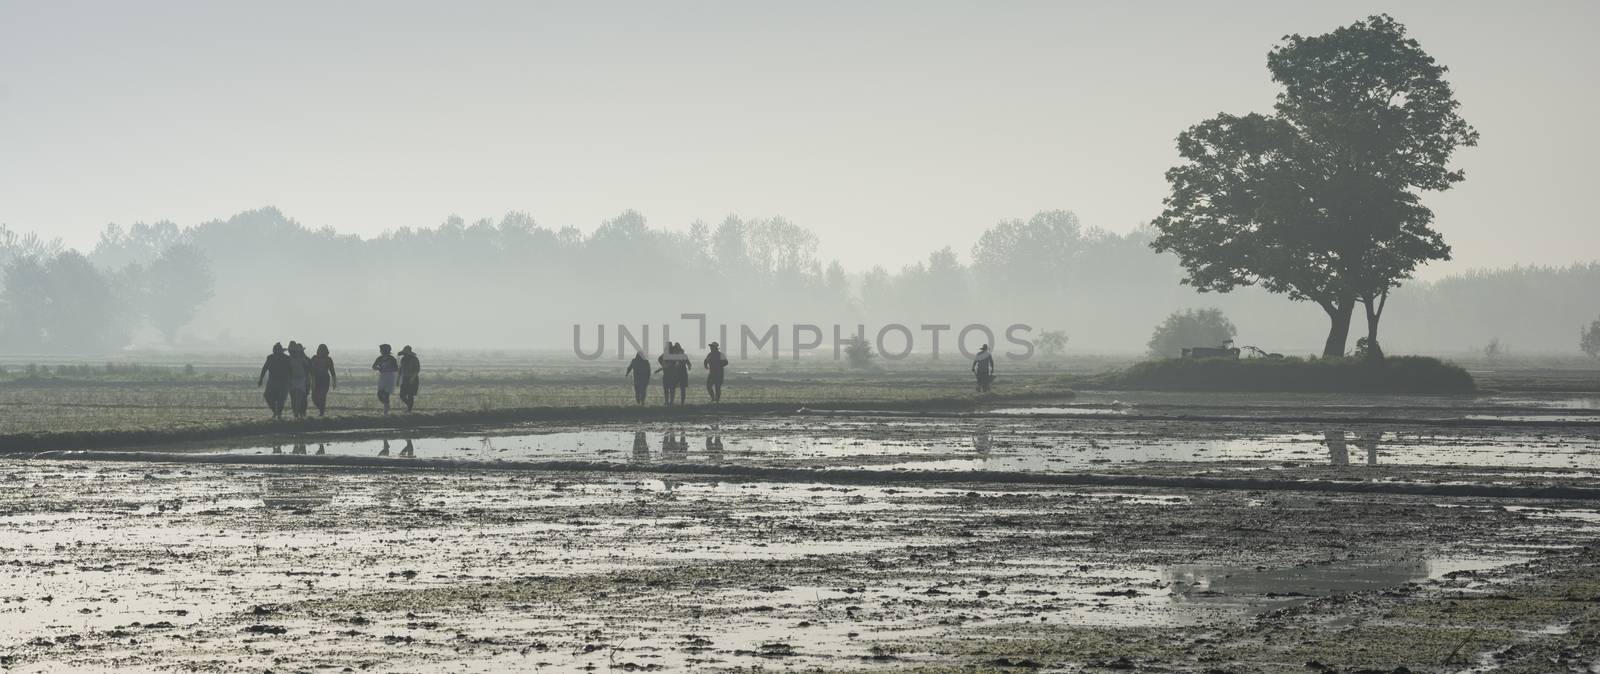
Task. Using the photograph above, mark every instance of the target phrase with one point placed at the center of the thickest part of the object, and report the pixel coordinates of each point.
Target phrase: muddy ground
(410, 562)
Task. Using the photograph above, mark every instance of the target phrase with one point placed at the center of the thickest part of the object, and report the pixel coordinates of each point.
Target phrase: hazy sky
(890, 129)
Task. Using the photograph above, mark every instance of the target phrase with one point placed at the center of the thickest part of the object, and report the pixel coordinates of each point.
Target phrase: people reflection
(385, 451)
(714, 448)
(674, 446)
(409, 450)
(981, 442)
(1337, 449)
(641, 447)
(1369, 441)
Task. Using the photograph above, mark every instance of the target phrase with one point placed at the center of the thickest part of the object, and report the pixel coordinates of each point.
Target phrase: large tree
(1320, 200)
(177, 282)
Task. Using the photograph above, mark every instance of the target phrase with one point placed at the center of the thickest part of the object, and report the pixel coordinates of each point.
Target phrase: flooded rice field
(433, 554)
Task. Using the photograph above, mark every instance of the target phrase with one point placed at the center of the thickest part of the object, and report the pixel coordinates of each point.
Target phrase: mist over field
(515, 283)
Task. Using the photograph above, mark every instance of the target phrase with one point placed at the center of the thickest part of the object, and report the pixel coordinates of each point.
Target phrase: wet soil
(893, 543)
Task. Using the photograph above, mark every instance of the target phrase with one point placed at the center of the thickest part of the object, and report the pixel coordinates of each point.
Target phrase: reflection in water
(1233, 584)
(299, 448)
(385, 450)
(714, 448)
(1338, 452)
(321, 449)
(1369, 441)
(409, 450)
(641, 447)
(1339, 449)
(674, 446)
(981, 441)
(294, 493)
(277, 449)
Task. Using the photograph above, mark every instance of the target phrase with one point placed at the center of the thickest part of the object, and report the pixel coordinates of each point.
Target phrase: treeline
(57, 300)
(260, 277)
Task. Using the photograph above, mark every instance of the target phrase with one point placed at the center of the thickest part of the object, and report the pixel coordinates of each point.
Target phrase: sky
(890, 129)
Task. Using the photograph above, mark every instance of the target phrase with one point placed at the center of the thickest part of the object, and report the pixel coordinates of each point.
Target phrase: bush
(1589, 339)
(860, 355)
(1397, 374)
(1181, 330)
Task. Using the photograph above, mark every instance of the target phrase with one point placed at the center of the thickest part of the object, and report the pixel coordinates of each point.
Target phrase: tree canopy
(1320, 200)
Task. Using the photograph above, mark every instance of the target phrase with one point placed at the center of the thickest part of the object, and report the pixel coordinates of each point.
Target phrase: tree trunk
(1374, 309)
(1339, 314)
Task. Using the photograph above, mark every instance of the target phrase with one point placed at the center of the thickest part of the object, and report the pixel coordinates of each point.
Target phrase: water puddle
(1262, 588)
(1019, 446)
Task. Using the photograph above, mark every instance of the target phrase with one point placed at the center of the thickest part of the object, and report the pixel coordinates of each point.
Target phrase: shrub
(859, 353)
(1181, 330)
(1589, 339)
(1397, 374)
(1052, 343)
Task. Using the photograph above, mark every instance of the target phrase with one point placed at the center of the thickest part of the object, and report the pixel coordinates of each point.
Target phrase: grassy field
(175, 392)
(186, 391)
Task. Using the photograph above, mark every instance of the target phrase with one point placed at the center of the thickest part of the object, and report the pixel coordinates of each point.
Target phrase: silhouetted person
(639, 367)
(388, 375)
(323, 378)
(410, 377)
(682, 378)
(674, 374)
(275, 372)
(715, 363)
(299, 378)
(983, 367)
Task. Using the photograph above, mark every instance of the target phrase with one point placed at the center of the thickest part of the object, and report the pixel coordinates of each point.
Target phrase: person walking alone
(275, 372)
(715, 364)
(323, 378)
(983, 367)
(640, 369)
(388, 374)
(410, 376)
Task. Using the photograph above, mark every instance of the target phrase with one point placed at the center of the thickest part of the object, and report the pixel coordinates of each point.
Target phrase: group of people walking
(289, 375)
(303, 381)
(675, 366)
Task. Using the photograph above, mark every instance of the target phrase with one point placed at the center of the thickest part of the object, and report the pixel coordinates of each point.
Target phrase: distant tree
(176, 284)
(1038, 254)
(1319, 201)
(15, 246)
(1052, 343)
(1496, 349)
(137, 244)
(1190, 328)
(62, 304)
(859, 354)
(25, 301)
(1589, 339)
